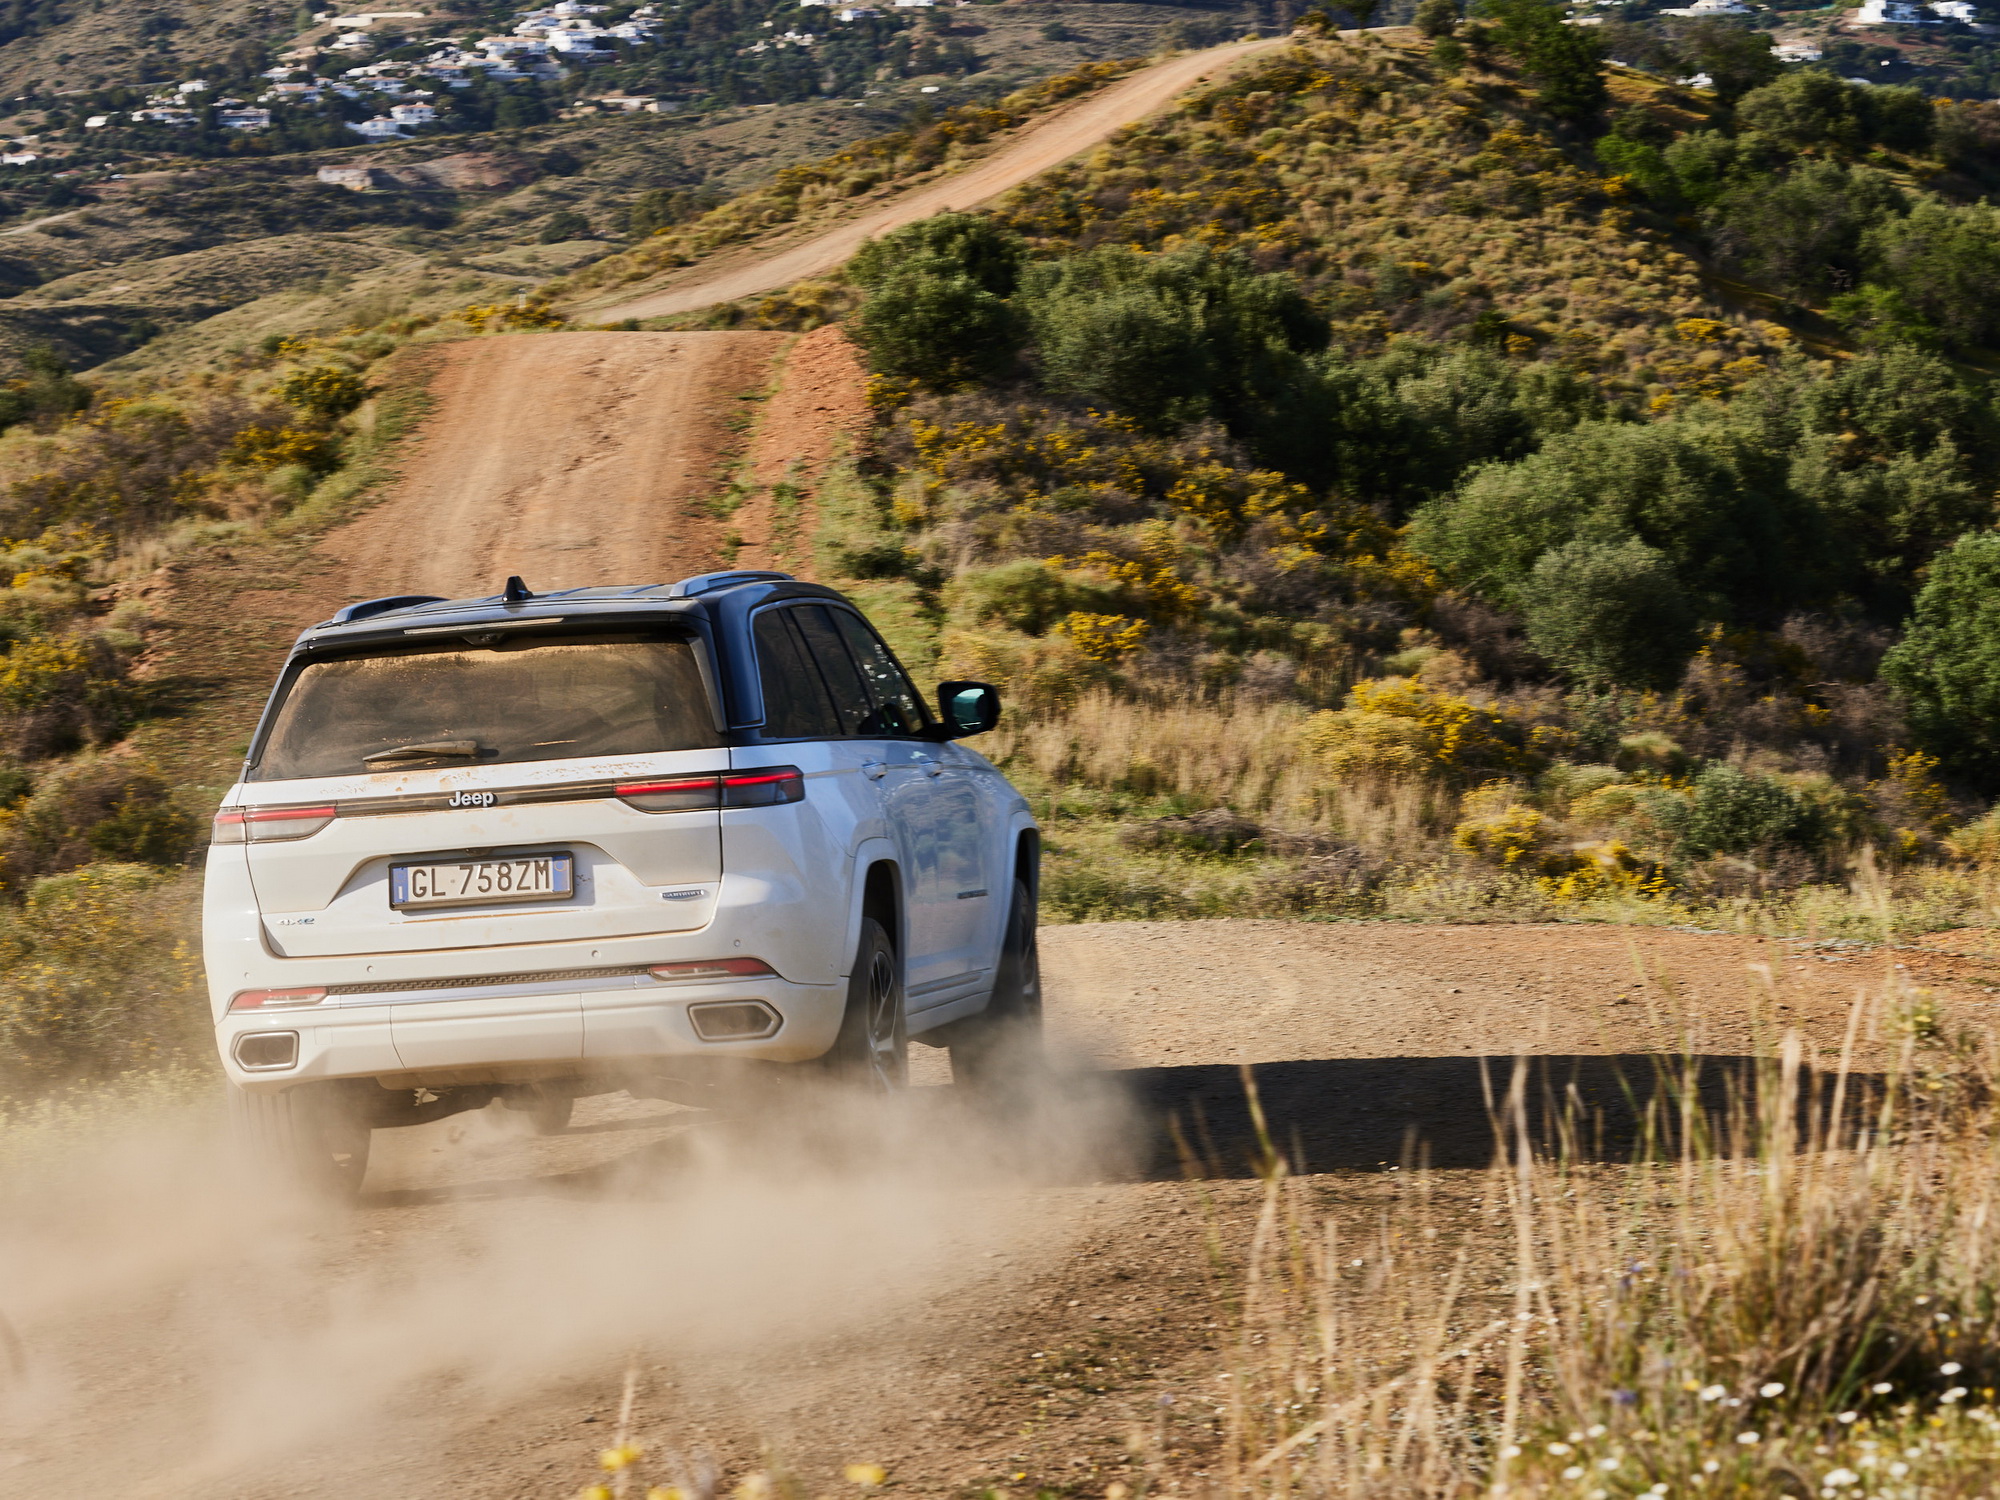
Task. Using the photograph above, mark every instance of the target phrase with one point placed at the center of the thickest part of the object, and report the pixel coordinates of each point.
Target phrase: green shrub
(949, 245)
(1803, 232)
(1944, 261)
(91, 810)
(99, 975)
(1734, 812)
(1698, 493)
(564, 224)
(1947, 666)
(1609, 612)
(941, 331)
(1168, 339)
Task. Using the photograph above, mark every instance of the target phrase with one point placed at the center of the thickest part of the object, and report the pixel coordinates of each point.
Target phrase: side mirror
(967, 708)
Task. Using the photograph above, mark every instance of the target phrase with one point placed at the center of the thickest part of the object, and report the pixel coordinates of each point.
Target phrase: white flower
(1512, 1450)
(1842, 1476)
(1899, 1469)
(1881, 1387)
(1557, 1450)
(1710, 1467)
(1713, 1393)
(1607, 1464)
(1950, 1367)
(1956, 1393)
(1597, 1430)
(1850, 1416)
(1747, 1438)
(1572, 1472)
(1658, 1489)
(1771, 1388)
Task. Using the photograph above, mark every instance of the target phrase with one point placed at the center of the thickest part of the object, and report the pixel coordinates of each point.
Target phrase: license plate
(479, 882)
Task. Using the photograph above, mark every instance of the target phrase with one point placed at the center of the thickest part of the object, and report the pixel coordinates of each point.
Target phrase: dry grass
(1791, 1289)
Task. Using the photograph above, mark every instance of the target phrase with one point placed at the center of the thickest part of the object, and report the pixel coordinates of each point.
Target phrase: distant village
(544, 44)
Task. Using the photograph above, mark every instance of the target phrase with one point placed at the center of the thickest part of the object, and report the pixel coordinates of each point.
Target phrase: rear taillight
(671, 793)
(716, 968)
(276, 999)
(764, 788)
(259, 825)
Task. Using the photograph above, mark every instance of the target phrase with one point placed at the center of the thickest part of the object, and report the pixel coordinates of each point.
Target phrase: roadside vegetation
(1438, 477)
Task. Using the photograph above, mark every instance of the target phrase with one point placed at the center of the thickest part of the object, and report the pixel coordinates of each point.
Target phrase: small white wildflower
(1842, 1476)
(1607, 1464)
(1658, 1489)
(1734, 1401)
(1572, 1472)
(1713, 1393)
(1557, 1450)
(1710, 1467)
(1956, 1393)
(1771, 1388)
(1950, 1367)
(1881, 1387)
(1597, 1429)
(1941, 1317)
(1847, 1417)
(1747, 1438)
(1899, 1469)
(1922, 1300)
(1577, 1437)
(1512, 1450)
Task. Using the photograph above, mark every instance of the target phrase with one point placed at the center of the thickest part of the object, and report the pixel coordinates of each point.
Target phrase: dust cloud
(183, 1329)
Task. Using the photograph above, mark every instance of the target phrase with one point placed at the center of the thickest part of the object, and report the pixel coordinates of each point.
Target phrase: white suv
(532, 847)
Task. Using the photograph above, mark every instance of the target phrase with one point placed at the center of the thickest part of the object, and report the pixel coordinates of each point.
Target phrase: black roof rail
(703, 583)
(382, 606)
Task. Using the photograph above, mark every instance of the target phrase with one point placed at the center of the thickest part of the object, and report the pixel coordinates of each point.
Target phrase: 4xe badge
(471, 799)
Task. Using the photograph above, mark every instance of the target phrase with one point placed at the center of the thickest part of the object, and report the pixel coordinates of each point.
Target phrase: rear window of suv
(523, 699)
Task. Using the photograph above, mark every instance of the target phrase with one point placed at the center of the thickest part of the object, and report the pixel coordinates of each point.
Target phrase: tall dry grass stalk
(1790, 1287)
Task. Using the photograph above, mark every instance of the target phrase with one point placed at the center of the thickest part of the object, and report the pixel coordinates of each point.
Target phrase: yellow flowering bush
(1400, 726)
(1512, 838)
(1103, 637)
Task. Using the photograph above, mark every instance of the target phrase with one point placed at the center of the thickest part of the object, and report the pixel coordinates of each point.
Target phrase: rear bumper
(610, 1026)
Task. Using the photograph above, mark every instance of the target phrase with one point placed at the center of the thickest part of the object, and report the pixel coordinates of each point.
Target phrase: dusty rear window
(521, 700)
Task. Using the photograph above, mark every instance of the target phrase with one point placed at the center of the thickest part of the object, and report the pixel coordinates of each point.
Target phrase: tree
(1609, 613)
(1734, 57)
(1803, 232)
(1711, 500)
(968, 245)
(1944, 261)
(940, 330)
(1437, 18)
(1947, 666)
(1807, 108)
(1169, 339)
(1565, 63)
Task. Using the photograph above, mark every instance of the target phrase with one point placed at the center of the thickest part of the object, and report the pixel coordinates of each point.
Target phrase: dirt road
(966, 1300)
(570, 459)
(1065, 134)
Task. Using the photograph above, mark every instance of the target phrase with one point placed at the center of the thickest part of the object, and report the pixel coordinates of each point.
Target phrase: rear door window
(797, 705)
(852, 701)
(523, 699)
(898, 709)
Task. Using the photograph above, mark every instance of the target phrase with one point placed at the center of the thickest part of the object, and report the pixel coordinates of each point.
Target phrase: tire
(999, 1049)
(872, 1052)
(310, 1137)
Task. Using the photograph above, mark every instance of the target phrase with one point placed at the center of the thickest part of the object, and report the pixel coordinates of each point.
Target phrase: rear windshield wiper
(428, 750)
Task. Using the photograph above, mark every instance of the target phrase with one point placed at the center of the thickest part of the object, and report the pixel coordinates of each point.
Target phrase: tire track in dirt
(1068, 132)
(572, 459)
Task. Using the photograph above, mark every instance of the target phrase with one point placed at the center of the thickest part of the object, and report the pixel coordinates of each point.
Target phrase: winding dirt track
(1067, 133)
